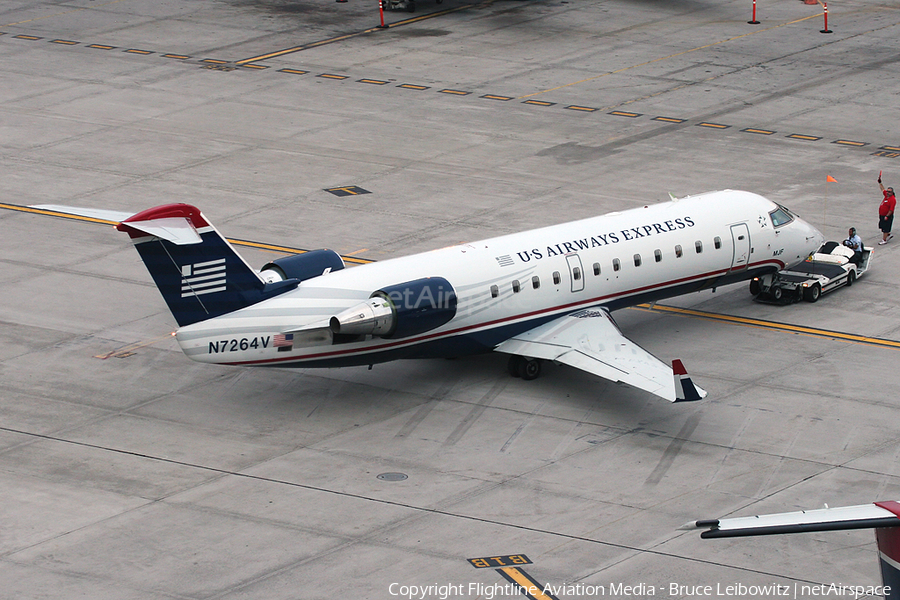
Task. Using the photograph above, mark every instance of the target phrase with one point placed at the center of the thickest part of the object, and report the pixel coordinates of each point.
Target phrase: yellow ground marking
(760, 131)
(662, 58)
(799, 136)
(128, 350)
(528, 586)
(812, 331)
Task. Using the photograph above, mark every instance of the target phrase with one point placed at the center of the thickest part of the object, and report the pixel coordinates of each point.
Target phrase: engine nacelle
(302, 266)
(400, 310)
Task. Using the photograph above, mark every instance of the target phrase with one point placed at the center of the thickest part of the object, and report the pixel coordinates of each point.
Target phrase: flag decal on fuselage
(203, 278)
(284, 342)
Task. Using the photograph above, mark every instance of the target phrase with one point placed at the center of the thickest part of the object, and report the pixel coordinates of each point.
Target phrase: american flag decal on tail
(203, 278)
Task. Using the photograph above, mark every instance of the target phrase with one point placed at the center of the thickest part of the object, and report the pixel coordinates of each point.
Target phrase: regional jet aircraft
(884, 517)
(544, 294)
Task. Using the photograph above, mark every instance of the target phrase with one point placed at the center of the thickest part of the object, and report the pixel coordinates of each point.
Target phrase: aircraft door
(576, 272)
(740, 235)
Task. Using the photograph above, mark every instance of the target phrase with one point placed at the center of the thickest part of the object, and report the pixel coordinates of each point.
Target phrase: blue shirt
(854, 243)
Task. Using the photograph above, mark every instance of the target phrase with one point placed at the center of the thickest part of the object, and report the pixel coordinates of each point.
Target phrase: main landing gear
(524, 367)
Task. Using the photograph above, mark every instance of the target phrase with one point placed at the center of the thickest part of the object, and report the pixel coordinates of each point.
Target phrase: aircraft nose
(814, 237)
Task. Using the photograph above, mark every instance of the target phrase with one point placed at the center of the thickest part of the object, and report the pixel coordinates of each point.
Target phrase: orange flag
(831, 179)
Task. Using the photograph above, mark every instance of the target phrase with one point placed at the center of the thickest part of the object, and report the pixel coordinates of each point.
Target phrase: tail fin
(197, 271)
(888, 539)
(685, 389)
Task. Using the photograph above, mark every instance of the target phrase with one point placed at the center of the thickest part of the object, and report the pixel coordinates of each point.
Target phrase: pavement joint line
(677, 54)
(348, 36)
(59, 14)
(383, 501)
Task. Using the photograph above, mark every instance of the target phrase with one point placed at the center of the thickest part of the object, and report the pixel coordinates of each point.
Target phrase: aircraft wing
(591, 341)
(865, 516)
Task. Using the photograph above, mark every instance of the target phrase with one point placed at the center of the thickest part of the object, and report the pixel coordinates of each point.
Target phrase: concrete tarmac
(129, 472)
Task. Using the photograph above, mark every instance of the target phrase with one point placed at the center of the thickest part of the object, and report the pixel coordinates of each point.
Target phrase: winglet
(685, 389)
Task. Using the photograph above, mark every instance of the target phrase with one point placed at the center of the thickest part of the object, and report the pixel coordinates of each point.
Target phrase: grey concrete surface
(129, 472)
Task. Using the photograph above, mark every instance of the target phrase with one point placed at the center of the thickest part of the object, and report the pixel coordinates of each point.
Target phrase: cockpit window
(780, 216)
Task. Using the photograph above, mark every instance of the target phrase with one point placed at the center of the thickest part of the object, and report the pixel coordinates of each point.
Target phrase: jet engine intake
(400, 310)
(302, 266)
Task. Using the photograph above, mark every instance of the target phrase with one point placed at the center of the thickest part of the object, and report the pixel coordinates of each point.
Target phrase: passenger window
(495, 291)
(678, 251)
(535, 282)
(718, 242)
(556, 278)
(596, 268)
(698, 245)
(516, 287)
(657, 254)
(637, 260)
(576, 273)
(616, 264)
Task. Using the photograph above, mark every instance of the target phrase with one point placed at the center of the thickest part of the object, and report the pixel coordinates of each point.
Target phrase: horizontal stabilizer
(114, 216)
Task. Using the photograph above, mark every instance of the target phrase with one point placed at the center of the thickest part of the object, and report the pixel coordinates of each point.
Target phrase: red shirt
(887, 205)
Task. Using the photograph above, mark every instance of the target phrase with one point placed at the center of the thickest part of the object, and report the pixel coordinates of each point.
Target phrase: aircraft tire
(513, 364)
(529, 368)
(754, 287)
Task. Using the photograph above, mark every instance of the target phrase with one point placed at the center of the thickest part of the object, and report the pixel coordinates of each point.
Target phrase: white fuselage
(509, 284)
